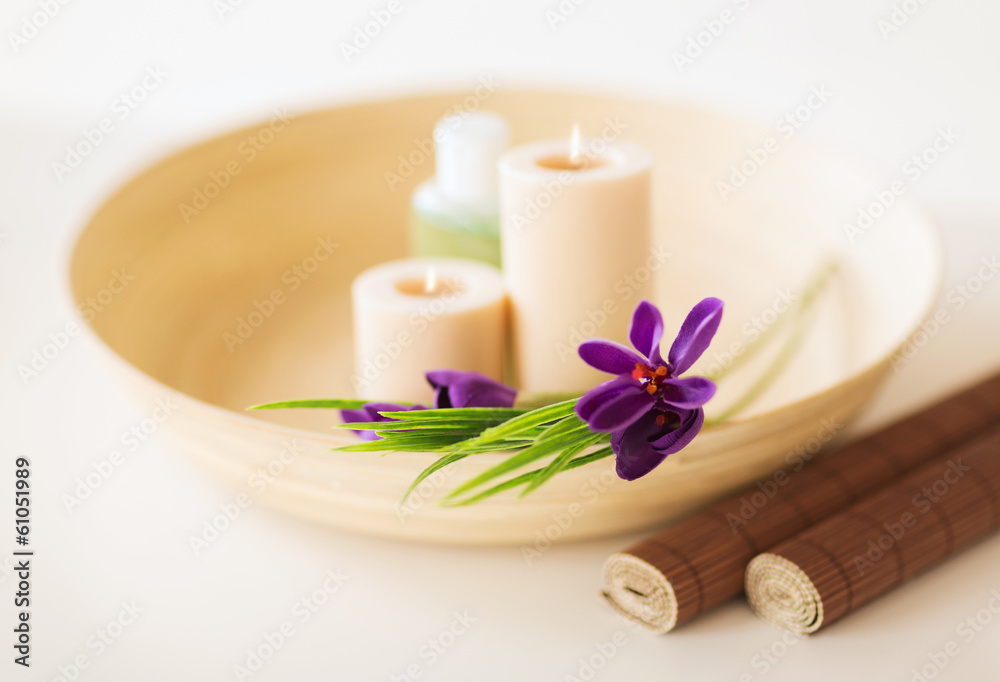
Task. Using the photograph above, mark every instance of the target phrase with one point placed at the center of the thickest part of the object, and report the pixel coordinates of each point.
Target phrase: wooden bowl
(293, 210)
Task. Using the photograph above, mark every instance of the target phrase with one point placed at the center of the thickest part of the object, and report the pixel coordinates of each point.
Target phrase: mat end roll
(781, 592)
(640, 592)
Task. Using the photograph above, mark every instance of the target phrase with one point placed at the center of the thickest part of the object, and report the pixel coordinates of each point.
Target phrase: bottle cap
(467, 146)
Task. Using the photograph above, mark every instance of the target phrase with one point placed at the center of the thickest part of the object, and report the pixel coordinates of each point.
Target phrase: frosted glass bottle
(456, 213)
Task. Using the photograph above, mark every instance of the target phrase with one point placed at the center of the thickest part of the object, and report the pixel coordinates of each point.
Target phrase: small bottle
(456, 212)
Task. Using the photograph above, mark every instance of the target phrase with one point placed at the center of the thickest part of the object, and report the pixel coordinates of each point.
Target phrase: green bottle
(456, 212)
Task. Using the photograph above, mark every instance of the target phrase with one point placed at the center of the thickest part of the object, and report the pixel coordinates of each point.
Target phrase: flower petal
(646, 330)
(643, 446)
(696, 333)
(634, 456)
(597, 396)
(691, 423)
(354, 416)
(362, 415)
(609, 356)
(485, 396)
(688, 393)
(441, 380)
(469, 389)
(622, 410)
(370, 413)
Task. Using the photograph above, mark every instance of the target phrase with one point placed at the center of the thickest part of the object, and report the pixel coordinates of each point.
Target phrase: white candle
(421, 314)
(575, 222)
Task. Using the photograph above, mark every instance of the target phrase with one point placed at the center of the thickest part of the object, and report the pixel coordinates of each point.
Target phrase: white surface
(129, 540)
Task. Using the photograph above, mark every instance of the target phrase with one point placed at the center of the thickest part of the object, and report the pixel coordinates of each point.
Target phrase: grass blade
(415, 442)
(525, 421)
(438, 464)
(497, 415)
(814, 287)
(803, 325)
(566, 435)
(392, 437)
(471, 430)
(331, 404)
(561, 461)
(527, 478)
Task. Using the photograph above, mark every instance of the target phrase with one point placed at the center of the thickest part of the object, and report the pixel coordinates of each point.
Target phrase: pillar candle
(573, 226)
(421, 314)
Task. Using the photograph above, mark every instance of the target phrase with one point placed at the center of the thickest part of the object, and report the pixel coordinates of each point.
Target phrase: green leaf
(566, 425)
(479, 414)
(502, 446)
(804, 317)
(332, 404)
(393, 437)
(565, 434)
(490, 492)
(525, 421)
(561, 461)
(403, 443)
(527, 478)
(814, 287)
(471, 430)
(365, 446)
(438, 464)
(591, 457)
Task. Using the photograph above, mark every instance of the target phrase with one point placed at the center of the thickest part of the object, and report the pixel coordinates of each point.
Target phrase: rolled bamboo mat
(833, 568)
(696, 564)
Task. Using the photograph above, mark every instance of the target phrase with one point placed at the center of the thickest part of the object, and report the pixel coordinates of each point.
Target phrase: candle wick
(575, 147)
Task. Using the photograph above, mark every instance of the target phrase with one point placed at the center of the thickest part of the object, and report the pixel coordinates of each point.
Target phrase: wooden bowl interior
(326, 176)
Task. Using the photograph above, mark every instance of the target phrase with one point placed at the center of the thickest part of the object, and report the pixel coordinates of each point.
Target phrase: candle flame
(430, 283)
(575, 146)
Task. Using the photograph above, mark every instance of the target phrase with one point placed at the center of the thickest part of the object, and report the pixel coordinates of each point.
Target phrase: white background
(129, 542)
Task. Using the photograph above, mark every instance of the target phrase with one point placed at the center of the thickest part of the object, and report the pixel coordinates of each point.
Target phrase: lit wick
(575, 147)
(575, 159)
(429, 285)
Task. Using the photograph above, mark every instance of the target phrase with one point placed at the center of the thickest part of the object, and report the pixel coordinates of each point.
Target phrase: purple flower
(650, 411)
(451, 389)
(468, 389)
(370, 413)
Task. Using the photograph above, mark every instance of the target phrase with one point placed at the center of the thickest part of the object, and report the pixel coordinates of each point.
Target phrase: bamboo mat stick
(698, 563)
(833, 568)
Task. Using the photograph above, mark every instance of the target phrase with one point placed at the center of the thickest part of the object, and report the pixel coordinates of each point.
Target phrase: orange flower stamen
(654, 376)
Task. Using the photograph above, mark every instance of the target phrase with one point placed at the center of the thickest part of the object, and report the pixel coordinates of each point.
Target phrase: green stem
(600, 453)
(804, 317)
(815, 286)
